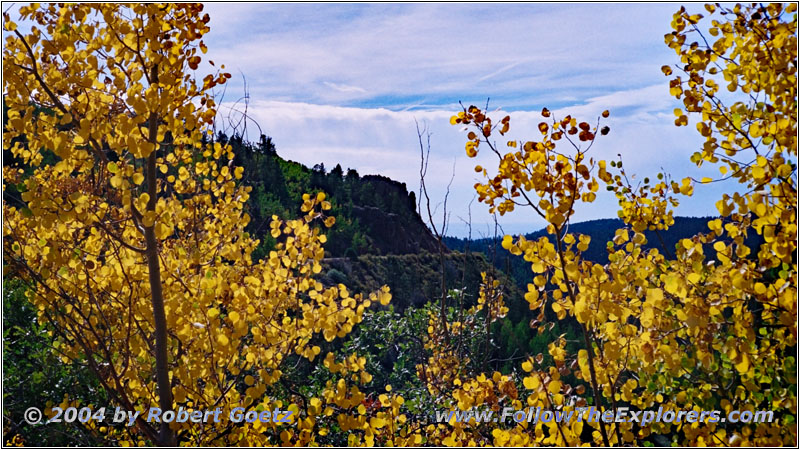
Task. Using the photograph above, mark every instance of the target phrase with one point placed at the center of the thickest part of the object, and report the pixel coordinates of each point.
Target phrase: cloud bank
(348, 83)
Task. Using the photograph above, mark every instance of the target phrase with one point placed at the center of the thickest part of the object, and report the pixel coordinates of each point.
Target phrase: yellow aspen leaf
(543, 128)
(671, 284)
(116, 181)
(582, 311)
(743, 365)
(531, 383)
(234, 317)
(572, 270)
(163, 230)
(471, 151)
(648, 316)
(384, 297)
(149, 218)
(532, 297)
(655, 295)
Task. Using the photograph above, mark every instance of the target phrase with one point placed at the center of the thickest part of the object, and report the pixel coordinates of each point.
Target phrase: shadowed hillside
(374, 214)
(415, 279)
(601, 231)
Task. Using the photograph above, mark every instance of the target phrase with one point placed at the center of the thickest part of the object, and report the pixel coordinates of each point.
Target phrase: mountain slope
(601, 231)
(374, 214)
(415, 279)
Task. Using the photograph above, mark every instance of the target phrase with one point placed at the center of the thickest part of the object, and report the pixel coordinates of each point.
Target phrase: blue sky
(344, 83)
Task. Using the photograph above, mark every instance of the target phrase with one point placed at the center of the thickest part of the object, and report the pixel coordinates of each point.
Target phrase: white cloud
(443, 52)
(499, 71)
(345, 88)
(382, 141)
(344, 84)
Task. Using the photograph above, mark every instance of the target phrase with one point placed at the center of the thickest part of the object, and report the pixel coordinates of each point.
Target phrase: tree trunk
(166, 436)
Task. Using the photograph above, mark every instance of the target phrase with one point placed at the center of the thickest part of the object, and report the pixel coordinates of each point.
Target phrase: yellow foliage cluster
(674, 328)
(106, 90)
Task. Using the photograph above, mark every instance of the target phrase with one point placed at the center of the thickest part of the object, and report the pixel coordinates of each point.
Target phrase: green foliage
(374, 214)
(392, 343)
(35, 376)
(337, 277)
(415, 279)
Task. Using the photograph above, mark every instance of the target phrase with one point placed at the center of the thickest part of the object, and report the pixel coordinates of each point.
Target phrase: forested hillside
(374, 214)
(602, 232)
